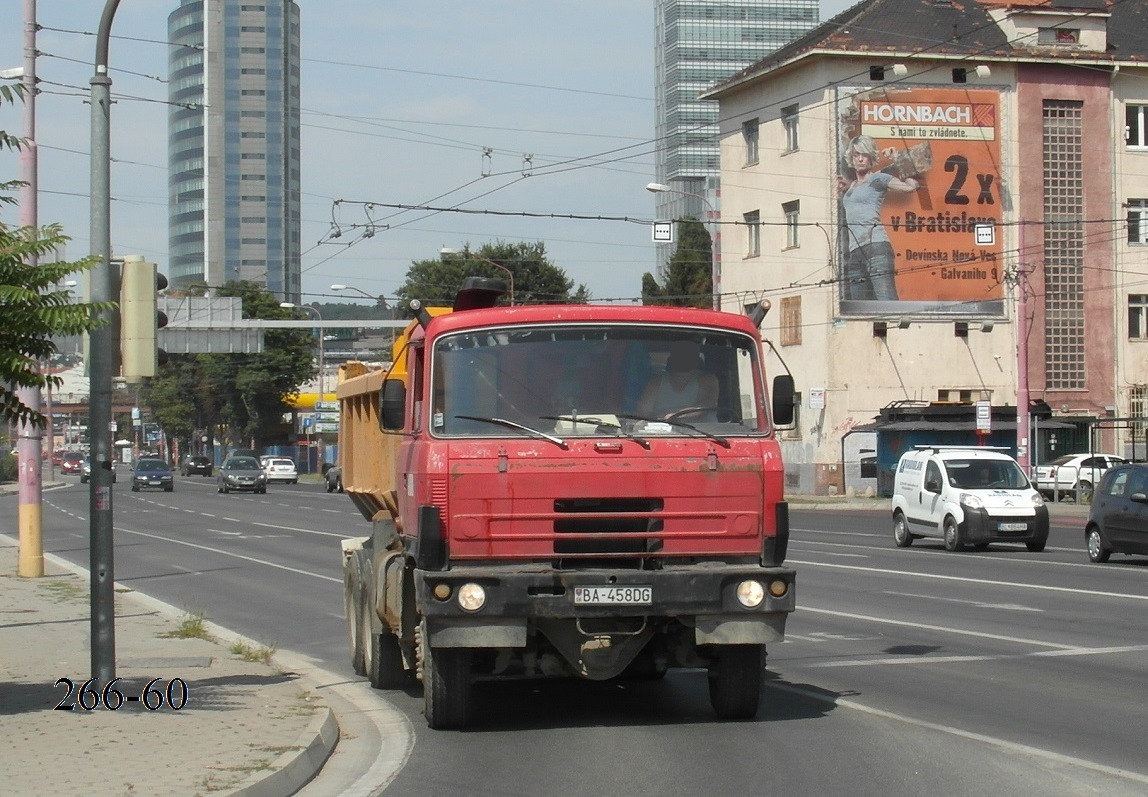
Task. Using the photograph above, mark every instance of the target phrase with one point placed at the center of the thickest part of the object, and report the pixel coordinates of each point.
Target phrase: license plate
(1012, 526)
(627, 596)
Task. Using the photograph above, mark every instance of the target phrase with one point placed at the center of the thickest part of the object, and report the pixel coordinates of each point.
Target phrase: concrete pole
(1022, 331)
(103, 289)
(29, 444)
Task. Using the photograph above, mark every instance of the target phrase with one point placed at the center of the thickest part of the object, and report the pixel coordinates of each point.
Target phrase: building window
(1138, 408)
(1137, 221)
(1063, 157)
(1138, 316)
(791, 321)
(749, 132)
(789, 123)
(792, 213)
(1136, 127)
(1055, 36)
(753, 233)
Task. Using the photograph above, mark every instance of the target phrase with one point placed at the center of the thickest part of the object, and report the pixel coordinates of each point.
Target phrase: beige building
(946, 203)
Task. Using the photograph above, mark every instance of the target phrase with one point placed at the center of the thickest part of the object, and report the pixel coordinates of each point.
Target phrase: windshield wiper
(598, 423)
(558, 441)
(721, 441)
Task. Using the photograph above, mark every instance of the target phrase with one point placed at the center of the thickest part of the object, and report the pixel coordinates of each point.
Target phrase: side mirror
(392, 404)
(782, 394)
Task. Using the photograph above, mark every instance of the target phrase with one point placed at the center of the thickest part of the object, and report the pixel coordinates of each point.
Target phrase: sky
(400, 103)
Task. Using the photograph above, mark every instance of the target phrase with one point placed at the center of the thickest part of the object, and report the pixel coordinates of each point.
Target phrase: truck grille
(609, 527)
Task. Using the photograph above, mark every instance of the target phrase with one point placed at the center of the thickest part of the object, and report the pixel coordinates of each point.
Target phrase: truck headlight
(750, 593)
(471, 597)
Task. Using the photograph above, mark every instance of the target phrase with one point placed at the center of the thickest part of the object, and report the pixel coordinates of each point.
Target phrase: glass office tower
(697, 44)
(233, 145)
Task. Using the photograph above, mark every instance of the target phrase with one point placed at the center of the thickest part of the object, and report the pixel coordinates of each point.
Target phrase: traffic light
(139, 317)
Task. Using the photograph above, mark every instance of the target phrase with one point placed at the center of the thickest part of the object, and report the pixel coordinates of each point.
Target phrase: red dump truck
(534, 512)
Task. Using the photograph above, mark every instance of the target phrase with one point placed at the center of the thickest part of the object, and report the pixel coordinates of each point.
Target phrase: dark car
(200, 465)
(333, 476)
(1118, 517)
(242, 474)
(153, 473)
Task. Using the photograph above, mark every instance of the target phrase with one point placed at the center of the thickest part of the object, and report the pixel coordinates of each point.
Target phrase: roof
(952, 29)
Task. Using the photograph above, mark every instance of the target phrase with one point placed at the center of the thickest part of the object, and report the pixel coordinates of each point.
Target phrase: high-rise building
(697, 44)
(233, 144)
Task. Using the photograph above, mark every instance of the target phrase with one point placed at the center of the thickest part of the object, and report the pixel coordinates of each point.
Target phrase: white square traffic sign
(986, 234)
(663, 232)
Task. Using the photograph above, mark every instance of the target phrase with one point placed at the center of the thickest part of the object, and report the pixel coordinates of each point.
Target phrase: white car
(966, 496)
(280, 469)
(1066, 475)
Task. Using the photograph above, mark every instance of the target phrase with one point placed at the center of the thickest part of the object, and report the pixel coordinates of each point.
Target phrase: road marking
(967, 580)
(940, 628)
(954, 731)
(231, 554)
(1012, 607)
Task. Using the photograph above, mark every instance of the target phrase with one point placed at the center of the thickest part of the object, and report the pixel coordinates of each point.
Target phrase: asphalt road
(905, 671)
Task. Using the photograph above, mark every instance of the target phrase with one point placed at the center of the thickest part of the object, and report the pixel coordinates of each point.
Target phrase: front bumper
(980, 526)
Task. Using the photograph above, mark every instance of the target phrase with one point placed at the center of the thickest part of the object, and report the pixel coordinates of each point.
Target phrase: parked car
(334, 479)
(966, 496)
(280, 469)
(1118, 517)
(86, 471)
(152, 473)
(72, 462)
(1067, 474)
(196, 464)
(241, 474)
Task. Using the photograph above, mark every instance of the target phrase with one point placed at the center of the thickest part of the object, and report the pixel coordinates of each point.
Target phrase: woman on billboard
(869, 268)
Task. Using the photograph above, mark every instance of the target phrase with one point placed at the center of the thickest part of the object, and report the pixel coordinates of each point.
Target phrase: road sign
(984, 416)
(985, 234)
(663, 232)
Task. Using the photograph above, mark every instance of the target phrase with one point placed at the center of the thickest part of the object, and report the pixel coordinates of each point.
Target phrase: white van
(966, 496)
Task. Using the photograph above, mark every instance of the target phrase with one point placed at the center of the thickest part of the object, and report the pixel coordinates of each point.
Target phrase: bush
(8, 467)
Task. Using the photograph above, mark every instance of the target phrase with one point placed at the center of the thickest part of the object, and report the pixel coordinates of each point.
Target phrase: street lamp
(380, 300)
(467, 253)
(322, 364)
(711, 223)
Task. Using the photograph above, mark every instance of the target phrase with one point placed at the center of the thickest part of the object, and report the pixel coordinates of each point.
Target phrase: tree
(687, 280)
(536, 279)
(244, 394)
(33, 304)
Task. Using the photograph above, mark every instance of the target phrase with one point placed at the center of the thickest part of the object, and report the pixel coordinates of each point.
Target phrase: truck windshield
(597, 381)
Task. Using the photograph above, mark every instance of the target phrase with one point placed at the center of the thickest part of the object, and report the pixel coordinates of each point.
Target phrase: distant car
(86, 471)
(242, 474)
(152, 473)
(280, 469)
(1118, 517)
(334, 479)
(200, 465)
(72, 462)
(1067, 474)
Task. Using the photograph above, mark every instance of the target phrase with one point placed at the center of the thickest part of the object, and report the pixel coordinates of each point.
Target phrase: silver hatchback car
(241, 474)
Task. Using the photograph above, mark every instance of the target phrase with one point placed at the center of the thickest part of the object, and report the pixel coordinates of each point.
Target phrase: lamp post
(711, 223)
(467, 253)
(322, 364)
(380, 300)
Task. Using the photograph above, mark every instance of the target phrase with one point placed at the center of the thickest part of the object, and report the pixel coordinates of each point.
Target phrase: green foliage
(687, 280)
(243, 395)
(536, 279)
(9, 467)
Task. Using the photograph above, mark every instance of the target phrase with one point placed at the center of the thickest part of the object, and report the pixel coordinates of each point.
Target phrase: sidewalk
(247, 727)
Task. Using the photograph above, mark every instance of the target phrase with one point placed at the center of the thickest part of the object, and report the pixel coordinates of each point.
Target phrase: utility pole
(103, 289)
(1022, 403)
(29, 445)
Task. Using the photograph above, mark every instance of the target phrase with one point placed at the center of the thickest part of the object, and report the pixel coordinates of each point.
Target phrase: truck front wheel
(446, 684)
(735, 681)
(353, 613)
(383, 659)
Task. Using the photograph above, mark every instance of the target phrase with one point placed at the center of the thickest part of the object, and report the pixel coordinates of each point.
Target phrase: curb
(295, 768)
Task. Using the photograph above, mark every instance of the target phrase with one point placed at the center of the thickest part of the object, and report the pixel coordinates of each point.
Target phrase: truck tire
(353, 612)
(384, 661)
(446, 684)
(735, 681)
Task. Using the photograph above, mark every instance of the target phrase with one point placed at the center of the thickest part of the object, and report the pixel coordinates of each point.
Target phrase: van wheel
(952, 535)
(901, 534)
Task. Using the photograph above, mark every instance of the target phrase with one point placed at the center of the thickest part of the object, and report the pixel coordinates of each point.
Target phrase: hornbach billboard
(918, 176)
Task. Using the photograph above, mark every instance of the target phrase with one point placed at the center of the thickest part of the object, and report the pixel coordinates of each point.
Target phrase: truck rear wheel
(735, 681)
(446, 684)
